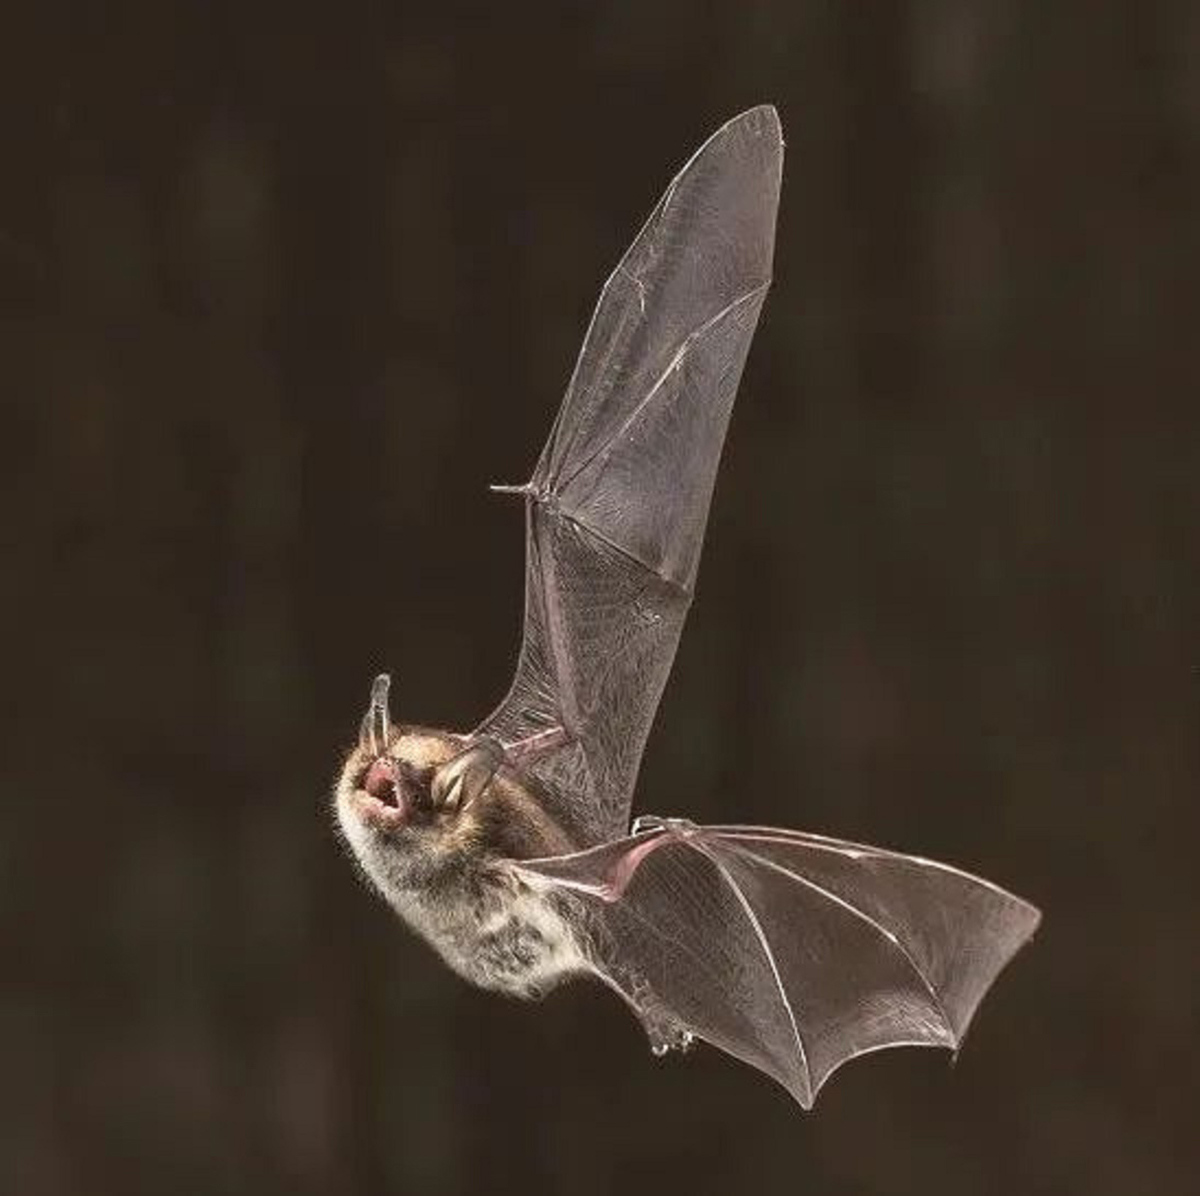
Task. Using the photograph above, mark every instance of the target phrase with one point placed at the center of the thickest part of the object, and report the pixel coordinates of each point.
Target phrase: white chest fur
(504, 937)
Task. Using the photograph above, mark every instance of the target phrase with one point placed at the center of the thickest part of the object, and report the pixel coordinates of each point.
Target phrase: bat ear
(464, 777)
(377, 722)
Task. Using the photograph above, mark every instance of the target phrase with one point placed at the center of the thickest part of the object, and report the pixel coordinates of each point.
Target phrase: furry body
(448, 873)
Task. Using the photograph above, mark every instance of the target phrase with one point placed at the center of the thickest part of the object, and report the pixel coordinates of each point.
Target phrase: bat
(509, 849)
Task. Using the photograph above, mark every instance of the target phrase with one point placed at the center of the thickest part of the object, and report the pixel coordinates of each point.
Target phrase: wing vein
(848, 848)
(870, 921)
(564, 690)
(752, 917)
(677, 359)
(682, 590)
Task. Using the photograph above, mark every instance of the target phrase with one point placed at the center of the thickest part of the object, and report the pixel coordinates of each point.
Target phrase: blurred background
(285, 287)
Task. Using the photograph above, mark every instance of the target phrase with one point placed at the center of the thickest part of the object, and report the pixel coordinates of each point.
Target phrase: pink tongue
(378, 782)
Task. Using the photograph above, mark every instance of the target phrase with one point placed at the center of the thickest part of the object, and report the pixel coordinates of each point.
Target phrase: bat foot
(664, 1040)
(665, 1031)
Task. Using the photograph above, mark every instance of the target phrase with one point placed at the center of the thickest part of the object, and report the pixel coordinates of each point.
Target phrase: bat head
(418, 806)
(404, 800)
(386, 809)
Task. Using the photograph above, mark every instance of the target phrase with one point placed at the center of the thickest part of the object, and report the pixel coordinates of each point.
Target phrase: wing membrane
(791, 952)
(618, 503)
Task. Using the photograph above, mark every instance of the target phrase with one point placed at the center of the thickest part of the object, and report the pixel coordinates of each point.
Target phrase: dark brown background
(283, 290)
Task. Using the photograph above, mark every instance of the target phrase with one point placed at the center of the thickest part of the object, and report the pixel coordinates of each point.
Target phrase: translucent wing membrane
(792, 952)
(619, 499)
(789, 951)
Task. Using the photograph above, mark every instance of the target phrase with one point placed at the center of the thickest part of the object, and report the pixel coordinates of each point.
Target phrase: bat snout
(379, 796)
(380, 782)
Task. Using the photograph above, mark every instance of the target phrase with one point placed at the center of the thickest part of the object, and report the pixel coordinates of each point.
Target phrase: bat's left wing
(792, 952)
(618, 502)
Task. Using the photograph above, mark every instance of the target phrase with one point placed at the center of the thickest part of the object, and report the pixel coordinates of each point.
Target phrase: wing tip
(761, 119)
(806, 1098)
(760, 122)
(1021, 924)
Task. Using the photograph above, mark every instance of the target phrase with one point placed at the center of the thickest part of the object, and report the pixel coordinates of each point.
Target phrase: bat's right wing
(618, 502)
(794, 953)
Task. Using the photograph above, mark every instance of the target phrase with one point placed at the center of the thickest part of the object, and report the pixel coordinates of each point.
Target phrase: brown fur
(446, 871)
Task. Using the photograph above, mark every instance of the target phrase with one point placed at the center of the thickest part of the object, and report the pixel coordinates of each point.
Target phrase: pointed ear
(464, 777)
(376, 724)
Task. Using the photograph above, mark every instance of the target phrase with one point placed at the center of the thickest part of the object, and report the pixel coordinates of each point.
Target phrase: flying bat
(509, 848)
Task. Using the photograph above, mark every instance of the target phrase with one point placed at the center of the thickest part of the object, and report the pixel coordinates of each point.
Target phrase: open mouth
(378, 795)
(380, 782)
